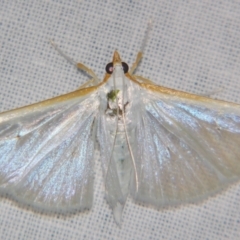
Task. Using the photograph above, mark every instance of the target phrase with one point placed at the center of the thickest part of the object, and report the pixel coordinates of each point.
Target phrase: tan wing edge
(46, 103)
(169, 91)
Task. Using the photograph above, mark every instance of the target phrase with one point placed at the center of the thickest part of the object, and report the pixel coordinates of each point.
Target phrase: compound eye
(109, 68)
(125, 67)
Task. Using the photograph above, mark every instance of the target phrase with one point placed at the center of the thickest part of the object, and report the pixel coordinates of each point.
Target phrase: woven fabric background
(194, 46)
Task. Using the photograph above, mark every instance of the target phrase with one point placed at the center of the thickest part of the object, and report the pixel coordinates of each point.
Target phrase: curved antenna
(127, 137)
(115, 135)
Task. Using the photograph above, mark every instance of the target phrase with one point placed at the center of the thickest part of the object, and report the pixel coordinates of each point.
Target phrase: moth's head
(116, 64)
(116, 58)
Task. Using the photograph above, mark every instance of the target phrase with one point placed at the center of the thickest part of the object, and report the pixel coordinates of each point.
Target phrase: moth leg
(89, 83)
(144, 42)
(144, 80)
(77, 65)
(89, 72)
(210, 94)
(135, 64)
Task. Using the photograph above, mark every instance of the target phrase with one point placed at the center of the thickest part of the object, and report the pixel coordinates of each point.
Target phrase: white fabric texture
(193, 46)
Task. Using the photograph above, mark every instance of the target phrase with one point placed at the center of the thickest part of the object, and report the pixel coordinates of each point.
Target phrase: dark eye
(125, 67)
(109, 68)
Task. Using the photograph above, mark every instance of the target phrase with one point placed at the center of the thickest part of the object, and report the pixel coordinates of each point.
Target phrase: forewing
(46, 153)
(185, 148)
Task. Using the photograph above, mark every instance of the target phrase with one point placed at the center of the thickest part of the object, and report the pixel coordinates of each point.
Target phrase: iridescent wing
(186, 147)
(46, 152)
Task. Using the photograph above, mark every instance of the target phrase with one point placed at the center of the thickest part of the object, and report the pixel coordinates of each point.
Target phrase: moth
(160, 146)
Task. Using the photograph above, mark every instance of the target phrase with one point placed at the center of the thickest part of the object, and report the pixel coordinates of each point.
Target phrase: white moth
(161, 146)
